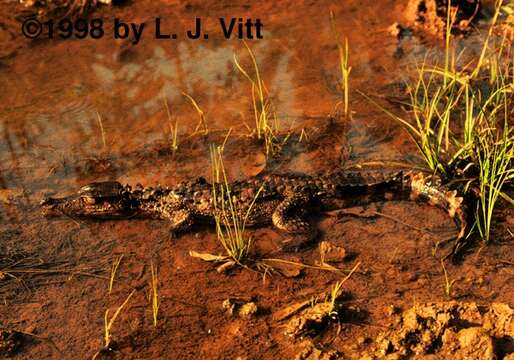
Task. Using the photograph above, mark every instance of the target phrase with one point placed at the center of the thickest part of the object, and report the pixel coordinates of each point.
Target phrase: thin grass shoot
(114, 268)
(344, 67)
(201, 128)
(173, 128)
(108, 324)
(154, 293)
(102, 131)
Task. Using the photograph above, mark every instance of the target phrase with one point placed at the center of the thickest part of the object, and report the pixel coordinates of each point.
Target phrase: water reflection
(51, 111)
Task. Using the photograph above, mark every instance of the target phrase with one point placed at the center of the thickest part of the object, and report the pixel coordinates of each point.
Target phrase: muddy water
(57, 89)
(52, 141)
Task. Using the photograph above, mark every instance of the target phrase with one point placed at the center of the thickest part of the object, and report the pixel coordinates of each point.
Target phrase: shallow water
(58, 89)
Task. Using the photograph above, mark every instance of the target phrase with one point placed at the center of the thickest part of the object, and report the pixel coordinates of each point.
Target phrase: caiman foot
(289, 216)
(181, 221)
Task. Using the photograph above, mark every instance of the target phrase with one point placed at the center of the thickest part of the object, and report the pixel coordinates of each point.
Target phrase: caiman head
(100, 200)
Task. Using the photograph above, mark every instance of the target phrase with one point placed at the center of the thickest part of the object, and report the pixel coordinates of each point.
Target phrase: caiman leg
(181, 220)
(289, 216)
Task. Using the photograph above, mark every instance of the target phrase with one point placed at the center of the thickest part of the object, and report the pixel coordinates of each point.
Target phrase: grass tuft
(459, 120)
(266, 120)
(495, 155)
(229, 218)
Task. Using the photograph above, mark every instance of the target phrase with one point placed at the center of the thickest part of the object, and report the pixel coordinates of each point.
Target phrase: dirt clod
(244, 309)
(466, 330)
(310, 319)
(331, 253)
(248, 310)
(475, 343)
(309, 351)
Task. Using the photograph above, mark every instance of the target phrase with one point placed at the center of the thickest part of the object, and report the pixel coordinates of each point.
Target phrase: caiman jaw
(97, 200)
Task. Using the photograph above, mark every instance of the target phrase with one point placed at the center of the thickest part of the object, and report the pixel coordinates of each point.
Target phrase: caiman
(286, 201)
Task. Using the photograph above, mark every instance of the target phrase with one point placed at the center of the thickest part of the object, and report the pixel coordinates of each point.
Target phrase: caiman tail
(429, 189)
(359, 188)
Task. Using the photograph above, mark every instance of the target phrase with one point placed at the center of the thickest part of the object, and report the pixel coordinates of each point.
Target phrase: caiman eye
(89, 200)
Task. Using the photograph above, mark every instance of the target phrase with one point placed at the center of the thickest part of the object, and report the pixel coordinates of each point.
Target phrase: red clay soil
(57, 292)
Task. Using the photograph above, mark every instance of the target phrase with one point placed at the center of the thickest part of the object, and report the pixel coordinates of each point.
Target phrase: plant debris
(28, 271)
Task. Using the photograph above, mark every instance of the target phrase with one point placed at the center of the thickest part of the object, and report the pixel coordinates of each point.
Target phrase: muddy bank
(465, 330)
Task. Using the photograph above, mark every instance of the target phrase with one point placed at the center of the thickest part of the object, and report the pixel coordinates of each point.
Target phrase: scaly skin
(283, 200)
